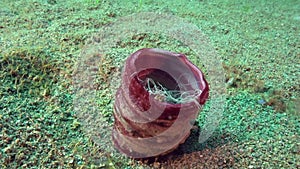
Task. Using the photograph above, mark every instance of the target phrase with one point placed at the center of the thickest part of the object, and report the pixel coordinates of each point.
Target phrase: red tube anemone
(160, 95)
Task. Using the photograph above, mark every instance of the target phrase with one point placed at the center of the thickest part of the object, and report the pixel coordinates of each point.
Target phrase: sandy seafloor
(258, 43)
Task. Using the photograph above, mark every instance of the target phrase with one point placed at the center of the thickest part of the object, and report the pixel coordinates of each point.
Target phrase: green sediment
(40, 41)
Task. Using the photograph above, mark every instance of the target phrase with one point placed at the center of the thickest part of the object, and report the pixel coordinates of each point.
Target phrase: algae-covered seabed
(258, 43)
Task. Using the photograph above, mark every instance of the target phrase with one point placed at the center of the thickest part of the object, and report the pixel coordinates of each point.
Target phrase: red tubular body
(145, 126)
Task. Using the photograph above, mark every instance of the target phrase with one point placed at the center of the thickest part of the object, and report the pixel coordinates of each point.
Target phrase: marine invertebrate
(160, 95)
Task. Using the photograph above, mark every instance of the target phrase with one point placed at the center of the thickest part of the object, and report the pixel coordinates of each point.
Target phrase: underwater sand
(40, 43)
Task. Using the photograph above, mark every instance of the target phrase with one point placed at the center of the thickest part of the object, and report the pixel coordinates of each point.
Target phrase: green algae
(40, 42)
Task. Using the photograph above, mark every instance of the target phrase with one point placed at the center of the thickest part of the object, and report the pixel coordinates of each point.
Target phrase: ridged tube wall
(146, 124)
